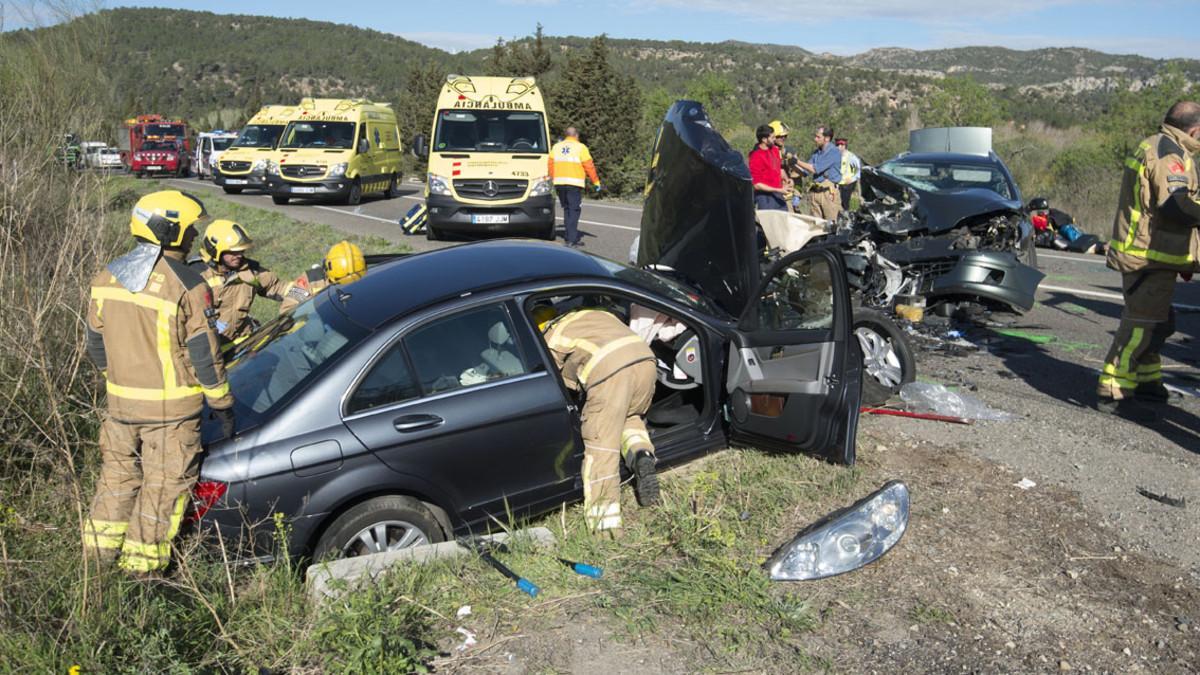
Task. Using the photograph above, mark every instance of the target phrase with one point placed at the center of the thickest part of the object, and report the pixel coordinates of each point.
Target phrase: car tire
(231, 190)
(1029, 257)
(390, 192)
(354, 197)
(280, 199)
(548, 234)
(888, 360)
(388, 523)
(432, 234)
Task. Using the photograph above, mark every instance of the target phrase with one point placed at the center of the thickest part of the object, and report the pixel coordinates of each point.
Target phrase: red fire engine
(157, 146)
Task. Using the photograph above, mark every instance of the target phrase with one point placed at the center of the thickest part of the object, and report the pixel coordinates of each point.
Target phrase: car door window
(390, 381)
(798, 297)
(466, 349)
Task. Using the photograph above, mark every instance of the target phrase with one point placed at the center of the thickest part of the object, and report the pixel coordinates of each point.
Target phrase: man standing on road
(570, 168)
(235, 280)
(766, 171)
(825, 168)
(1154, 239)
(600, 357)
(851, 169)
(343, 264)
(148, 331)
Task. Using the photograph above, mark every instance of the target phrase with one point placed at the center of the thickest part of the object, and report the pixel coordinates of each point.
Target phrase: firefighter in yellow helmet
(235, 280)
(599, 356)
(149, 331)
(343, 264)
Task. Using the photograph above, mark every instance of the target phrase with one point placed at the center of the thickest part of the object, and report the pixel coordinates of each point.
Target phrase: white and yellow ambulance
(243, 166)
(337, 149)
(489, 153)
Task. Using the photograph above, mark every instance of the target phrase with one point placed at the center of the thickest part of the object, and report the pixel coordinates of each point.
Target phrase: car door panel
(790, 357)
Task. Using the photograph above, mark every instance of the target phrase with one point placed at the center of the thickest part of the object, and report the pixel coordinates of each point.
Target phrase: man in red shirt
(765, 171)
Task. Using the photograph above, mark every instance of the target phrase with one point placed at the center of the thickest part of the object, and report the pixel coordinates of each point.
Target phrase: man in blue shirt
(825, 169)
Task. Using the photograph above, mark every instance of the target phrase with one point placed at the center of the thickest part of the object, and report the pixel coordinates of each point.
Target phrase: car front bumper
(990, 275)
(330, 188)
(535, 215)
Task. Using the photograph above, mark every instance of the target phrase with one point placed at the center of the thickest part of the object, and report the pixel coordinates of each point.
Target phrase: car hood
(698, 215)
(934, 212)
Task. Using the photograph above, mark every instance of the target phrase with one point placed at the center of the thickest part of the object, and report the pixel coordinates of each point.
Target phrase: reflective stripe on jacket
(1141, 237)
(851, 168)
(156, 346)
(571, 162)
(304, 287)
(589, 345)
(233, 294)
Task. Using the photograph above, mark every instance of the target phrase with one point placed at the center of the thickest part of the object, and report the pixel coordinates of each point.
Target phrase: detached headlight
(543, 186)
(845, 540)
(338, 169)
(439, 185)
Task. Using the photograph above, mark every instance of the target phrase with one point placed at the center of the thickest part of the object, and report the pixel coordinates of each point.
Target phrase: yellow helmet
(778, 127)
(344, 263)
(164, 217)
(223, 236)
(542, 315)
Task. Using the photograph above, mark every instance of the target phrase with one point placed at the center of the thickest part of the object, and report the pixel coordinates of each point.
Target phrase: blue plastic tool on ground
(526, 586)
(583, 568)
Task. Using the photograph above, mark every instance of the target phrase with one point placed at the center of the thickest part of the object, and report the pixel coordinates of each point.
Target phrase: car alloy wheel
(388, 535)
(888, 361)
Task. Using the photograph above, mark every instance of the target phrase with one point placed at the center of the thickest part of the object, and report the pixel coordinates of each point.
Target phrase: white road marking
(1074, 258)
(558, 217)
(1107, 296)
(611, 206)
(351, 213)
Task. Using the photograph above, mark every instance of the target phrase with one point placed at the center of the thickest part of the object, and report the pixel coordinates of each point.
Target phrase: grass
(925, 613)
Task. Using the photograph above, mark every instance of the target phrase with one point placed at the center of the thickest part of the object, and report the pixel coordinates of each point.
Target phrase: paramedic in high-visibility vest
(851, 171)
(570, 169)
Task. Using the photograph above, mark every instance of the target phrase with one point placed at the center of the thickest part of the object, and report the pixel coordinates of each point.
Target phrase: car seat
(499, 356)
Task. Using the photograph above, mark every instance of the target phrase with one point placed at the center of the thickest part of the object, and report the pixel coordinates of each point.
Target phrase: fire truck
(157, 146)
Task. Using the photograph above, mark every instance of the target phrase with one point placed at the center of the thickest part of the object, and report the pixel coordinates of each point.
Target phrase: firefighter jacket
(156, 347)
(571, 162)
(590, 345)
(304, 287)
(1149, 231)
(233, 294)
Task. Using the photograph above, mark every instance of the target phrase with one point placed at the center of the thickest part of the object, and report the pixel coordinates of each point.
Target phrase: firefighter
(149, 332)
(1154, 239)
(343, 264)
(825, 168)
(235, 280)
(600, 357)
(851, 170)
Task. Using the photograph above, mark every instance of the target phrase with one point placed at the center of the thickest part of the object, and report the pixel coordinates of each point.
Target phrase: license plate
(235, 181)
(490, 218)
(154, 168)
(304, 190)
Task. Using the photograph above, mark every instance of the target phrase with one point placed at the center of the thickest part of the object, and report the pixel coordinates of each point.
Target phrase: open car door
(795, 375)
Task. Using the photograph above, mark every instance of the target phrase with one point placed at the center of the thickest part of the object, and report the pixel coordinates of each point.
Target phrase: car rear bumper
(993, 276)
(535, 215)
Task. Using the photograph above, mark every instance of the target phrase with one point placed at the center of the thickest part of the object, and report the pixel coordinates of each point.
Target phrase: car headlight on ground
(338, 169)
(438, 185)
(542, 187)
(845, 540)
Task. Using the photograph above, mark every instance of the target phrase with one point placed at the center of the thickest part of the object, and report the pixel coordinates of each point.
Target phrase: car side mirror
(420, 146)
(363, 146)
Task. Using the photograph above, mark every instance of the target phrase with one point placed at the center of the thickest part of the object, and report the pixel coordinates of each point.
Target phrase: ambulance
(243, 165)
(339, 150)
(488, 154)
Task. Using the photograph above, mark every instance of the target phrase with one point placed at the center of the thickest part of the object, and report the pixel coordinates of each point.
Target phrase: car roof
(959, 157)
(411, 282)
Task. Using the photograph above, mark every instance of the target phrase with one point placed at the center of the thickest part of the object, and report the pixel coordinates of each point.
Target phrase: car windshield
(659, 285)
(221, 143)
(110, 151)
(319, 135)
(948, 176)
(158, 145)
(287, 354)
(490, 131)
(259, 136)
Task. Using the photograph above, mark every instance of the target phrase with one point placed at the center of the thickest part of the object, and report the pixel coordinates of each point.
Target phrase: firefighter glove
(224, 417)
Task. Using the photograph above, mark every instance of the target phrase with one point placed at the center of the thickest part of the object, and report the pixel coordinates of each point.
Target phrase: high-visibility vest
(571, 163)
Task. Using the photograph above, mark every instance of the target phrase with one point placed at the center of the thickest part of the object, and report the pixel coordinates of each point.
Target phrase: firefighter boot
(1126, 408)
(1157, 393)
(645, 479)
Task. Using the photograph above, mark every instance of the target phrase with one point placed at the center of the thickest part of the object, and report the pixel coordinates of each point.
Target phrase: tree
(960, 102)
(606, 107)
(528, 57)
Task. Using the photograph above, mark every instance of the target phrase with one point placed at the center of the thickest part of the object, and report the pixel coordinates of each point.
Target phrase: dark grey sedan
(421, 403)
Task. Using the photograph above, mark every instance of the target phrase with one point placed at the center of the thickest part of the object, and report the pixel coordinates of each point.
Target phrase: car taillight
(204, 494)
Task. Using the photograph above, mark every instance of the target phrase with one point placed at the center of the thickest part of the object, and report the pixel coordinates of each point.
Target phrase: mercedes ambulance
(489, 159)
(337, 149)
(244, 164)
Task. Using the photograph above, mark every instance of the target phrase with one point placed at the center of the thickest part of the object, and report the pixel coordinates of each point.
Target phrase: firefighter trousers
(146, 474)
(613, 429)
(1146, 322)
(825, 203)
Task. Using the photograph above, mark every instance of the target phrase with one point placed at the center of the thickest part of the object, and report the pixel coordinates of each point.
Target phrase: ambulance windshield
(313, 134)
(259, 136)
(490, 131)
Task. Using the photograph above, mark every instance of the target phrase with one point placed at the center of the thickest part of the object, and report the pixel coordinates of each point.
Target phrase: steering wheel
(521, 144)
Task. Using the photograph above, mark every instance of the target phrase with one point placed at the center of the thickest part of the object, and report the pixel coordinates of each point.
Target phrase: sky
(1153, 28)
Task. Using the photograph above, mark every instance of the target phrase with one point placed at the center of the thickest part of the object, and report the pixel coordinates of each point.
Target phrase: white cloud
(451, 41)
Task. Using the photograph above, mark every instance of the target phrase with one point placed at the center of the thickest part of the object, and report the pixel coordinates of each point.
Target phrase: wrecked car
(371, 419)
(947, 225)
